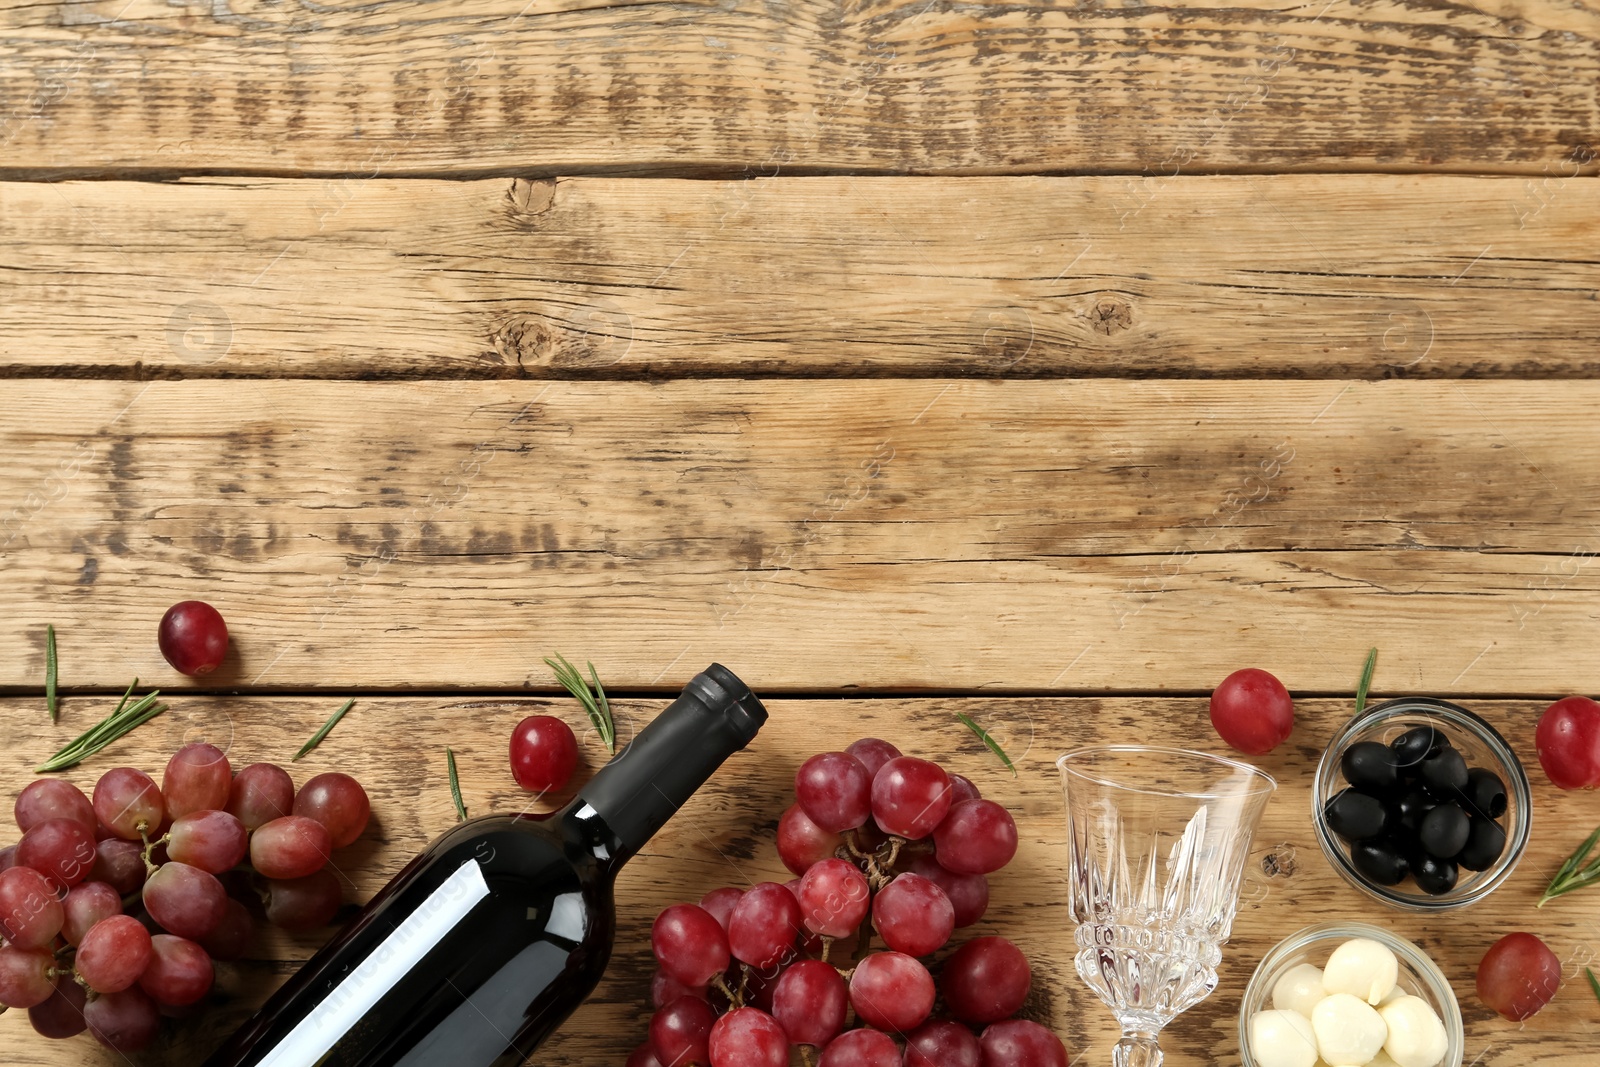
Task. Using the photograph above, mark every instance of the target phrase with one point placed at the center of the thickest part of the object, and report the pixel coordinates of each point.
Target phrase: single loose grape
(1252, 712)
(544, 753)
(193, 638)
(1518, 976)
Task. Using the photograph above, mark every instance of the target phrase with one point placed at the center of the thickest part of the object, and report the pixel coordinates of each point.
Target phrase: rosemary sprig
(994, 746)
(126, 718)
(1578, 871)
(316, 738)
(594, 701)
(455, 784)
(1366, 681)
(1594, 983)
(50, 672)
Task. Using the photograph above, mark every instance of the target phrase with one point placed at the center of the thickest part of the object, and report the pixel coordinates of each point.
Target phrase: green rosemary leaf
(994, 746)
(1366, 681)
(597, 707)
(609, 734)
(1573, 873)
(126, 694)
(455, 784)
(114, 726)
(316, 738)
(50, 672)
(1594, 983)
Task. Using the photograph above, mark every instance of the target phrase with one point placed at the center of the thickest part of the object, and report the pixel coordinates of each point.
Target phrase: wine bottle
(487, 941)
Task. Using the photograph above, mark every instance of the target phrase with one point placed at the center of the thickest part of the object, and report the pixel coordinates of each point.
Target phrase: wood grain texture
(1299, 276)
(725, 837)
(894, 86)
(1082, 536)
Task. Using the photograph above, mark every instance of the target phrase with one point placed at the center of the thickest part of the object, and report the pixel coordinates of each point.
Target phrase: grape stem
(827, 946)
(808, 1056)
(720, 984)
(150, 846)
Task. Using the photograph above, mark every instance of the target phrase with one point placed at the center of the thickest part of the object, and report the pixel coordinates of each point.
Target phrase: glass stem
(1137, 1050)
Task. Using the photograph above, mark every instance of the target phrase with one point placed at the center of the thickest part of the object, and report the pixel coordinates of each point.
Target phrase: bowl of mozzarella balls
(1349, 995)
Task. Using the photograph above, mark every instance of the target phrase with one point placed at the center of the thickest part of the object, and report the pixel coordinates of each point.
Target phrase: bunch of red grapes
(113, 909)
(881, 843)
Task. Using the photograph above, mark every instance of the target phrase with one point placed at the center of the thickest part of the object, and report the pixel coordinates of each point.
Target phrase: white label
(391, 961)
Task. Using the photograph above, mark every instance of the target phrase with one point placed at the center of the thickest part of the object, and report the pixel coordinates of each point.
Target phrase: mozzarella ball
(1363, 968)
(1282, 1039)
(1394, 994)
(1349, 1030)
(1416, 1036)
(1299, 989)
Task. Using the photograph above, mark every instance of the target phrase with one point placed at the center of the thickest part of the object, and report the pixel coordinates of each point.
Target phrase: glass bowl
(1419, 977)
(1479, 743)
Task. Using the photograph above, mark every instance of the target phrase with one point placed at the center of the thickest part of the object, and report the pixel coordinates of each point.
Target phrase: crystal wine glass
(1157, 841)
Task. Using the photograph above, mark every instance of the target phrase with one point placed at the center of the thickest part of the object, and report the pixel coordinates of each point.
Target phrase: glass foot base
(1137, 1050)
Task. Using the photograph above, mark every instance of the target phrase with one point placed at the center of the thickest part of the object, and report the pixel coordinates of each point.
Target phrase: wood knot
(521, 338)
(1280, 862)
(595, 335)
(529, 199)
(1110, 315)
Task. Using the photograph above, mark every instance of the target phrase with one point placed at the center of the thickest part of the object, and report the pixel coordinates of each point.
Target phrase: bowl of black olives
(1422, 804)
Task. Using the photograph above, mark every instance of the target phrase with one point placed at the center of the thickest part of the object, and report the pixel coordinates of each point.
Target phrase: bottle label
(395, 957)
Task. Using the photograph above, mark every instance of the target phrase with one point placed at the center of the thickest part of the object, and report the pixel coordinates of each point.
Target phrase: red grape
(872, 753)
(961, 788)
(126, 1022)
(809, 1001)
(113, 954)
(62, 1015)
(86, 905)
(230, 940)
(1020, 1043)
(302, 904)
(910, 797)
(681, 1032)
(198, 778)
(802, 842)
(891, 991)
(689, 944)
(913, 915)
(720, 903)
(8, 857)
(211, 840)
(120, 864)
(643, 1056)
(1568, 739)
(748, 1037)
(942, 1043)
(30, 914)
(185, 900)
(976, 837)
(861, 1048)
(762, 929)
(664, 989)
(25, 976)
(126, 800)
(985, 980)
(291, 847)
(835, 791)
(1518, 976)
(60, 848)
(179, 973)
(338, 802)
(52, 798)
(834, 897)
(544, 753)
(193, 638)
(968, 893)
(1252, 712)
(260, 793)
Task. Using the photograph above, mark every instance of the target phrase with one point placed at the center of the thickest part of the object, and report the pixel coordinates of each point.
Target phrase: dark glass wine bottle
(486, 942)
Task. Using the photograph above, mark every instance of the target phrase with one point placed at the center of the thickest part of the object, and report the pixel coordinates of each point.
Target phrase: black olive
(1354, 816)
(1445, 774)
(1435, 876)
(1369, 766)
(1380, 861)
(1413, 806)
(1416, 745)
(1484, 844)
(1485, 793)
(1444, 831)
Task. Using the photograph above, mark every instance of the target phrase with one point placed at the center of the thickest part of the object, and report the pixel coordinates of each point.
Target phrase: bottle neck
(635, 794)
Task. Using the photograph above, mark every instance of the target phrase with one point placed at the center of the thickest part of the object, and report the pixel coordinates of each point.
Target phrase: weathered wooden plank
(1082, 536)
(1309, 275)
(396, 747)
(897, 86)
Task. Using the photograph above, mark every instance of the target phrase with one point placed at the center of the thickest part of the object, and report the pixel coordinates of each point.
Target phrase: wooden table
(1044, 363)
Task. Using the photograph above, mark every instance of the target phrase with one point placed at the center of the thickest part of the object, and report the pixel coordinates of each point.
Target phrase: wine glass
(1157, 840)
